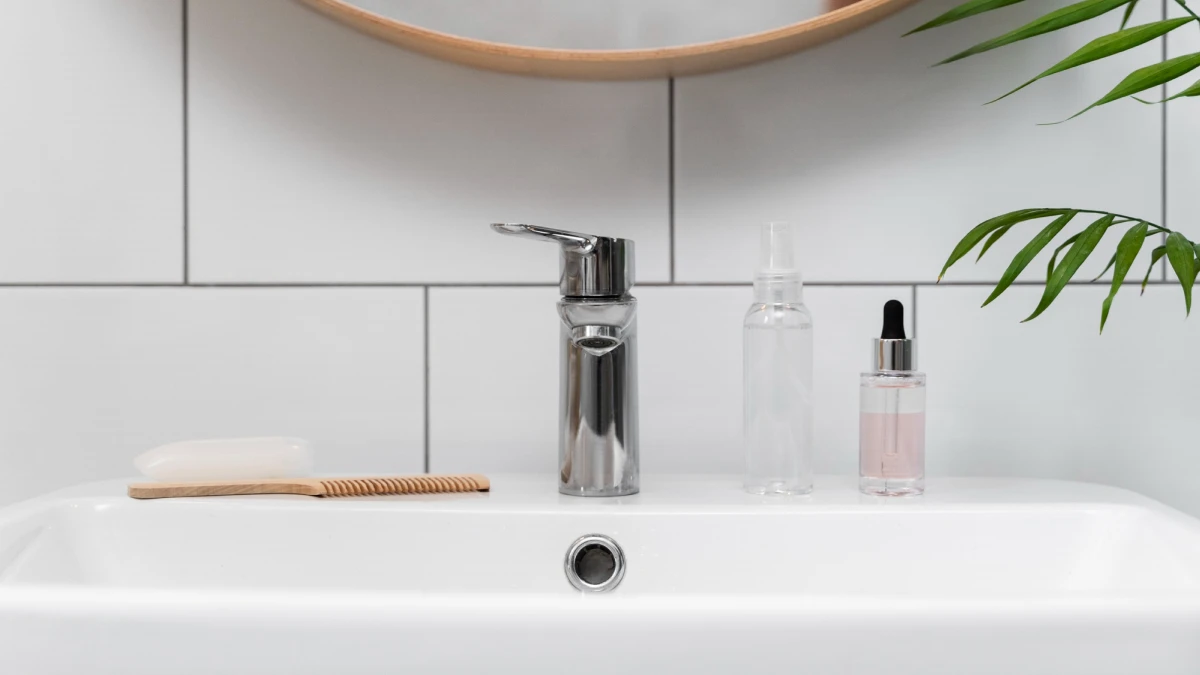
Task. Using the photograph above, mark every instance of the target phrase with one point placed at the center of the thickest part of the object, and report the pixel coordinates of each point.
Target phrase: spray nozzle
(778, 252)
(778, 276)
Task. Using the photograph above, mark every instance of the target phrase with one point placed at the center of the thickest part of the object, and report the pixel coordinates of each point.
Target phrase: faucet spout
(596, 340)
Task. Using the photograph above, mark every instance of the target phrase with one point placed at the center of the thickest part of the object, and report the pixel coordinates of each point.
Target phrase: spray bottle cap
(892, 350)
(778, 277)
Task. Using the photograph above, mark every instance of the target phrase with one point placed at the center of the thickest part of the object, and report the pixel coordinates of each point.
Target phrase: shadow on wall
(342, 96)
(875, 94)
(311, 124)
(886, 161)
(350, 100)
(329, 154)
(140, 18)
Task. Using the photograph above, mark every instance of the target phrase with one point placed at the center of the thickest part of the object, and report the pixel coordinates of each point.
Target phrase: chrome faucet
(598, 425)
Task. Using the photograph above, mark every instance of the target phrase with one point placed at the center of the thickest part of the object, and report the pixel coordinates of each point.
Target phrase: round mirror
(607, 39)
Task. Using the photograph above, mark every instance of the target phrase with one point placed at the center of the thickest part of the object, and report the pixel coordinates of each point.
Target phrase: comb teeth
(350, 487)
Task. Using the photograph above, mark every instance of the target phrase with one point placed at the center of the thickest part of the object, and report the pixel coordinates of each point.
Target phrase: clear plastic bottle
(891, 445)
(778, 373)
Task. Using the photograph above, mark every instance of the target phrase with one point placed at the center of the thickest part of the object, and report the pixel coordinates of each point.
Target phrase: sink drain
(595, 564)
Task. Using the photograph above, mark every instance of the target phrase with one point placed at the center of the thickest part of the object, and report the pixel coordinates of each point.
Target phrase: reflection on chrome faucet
(598, 448)
(598, 425)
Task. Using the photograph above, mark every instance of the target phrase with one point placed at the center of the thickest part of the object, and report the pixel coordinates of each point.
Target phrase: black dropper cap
(892, 350)
(893, 321)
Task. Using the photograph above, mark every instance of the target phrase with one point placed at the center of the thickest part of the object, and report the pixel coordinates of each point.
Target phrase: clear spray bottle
(778, 373)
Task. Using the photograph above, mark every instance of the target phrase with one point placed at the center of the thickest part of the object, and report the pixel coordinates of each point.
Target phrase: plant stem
(1184, 5)
(1157, 228)
(1127, 219)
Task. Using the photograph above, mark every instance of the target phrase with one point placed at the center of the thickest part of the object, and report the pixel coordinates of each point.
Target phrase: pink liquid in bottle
(892, 434)
(893, 445)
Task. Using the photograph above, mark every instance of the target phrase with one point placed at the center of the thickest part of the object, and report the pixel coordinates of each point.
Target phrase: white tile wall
(319, 156)
(92, 377)
(1053, 398)
(494, 376)
(493, 379)
(91, 141)
(887, 162)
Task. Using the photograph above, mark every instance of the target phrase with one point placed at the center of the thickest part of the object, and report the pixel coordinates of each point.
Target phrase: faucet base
(612, 491)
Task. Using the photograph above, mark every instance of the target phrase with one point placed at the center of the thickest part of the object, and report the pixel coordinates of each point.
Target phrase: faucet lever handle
(582, 243)
(592, 266)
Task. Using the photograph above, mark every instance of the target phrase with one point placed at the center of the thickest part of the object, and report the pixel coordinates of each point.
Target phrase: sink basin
(980, 576)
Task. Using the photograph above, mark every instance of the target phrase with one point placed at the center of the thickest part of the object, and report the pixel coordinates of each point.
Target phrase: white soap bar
(228, 459)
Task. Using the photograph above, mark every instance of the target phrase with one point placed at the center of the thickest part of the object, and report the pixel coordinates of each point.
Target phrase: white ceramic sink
(978, 577)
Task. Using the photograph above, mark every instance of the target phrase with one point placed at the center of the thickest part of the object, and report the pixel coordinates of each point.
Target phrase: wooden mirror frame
(617, 64)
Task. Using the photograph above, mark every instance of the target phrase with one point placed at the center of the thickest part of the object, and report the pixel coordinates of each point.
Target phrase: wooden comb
(316, 487)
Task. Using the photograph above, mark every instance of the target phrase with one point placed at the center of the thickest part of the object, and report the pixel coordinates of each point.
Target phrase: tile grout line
(425, 308)
(914, 311)
(186, 234)
(1162, 264)
(515, 285)
(671, 177)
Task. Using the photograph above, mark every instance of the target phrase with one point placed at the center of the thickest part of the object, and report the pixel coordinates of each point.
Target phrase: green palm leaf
(1193, 90)
(1128, 13)
(1028, 253)
(963, 11)
(1113, 260)
(1084, 245)
(1067, 16)
(1106, 46)
(1183, 261)
(1155, 256)
(1127, 251)
(1145, 78)
(985, 228)
(995, 236)
(1054, 256)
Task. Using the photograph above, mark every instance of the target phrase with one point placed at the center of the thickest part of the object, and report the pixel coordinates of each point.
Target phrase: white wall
(281, 229)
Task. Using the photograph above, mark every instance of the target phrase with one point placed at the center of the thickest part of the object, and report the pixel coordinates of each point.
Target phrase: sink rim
(686, 493)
